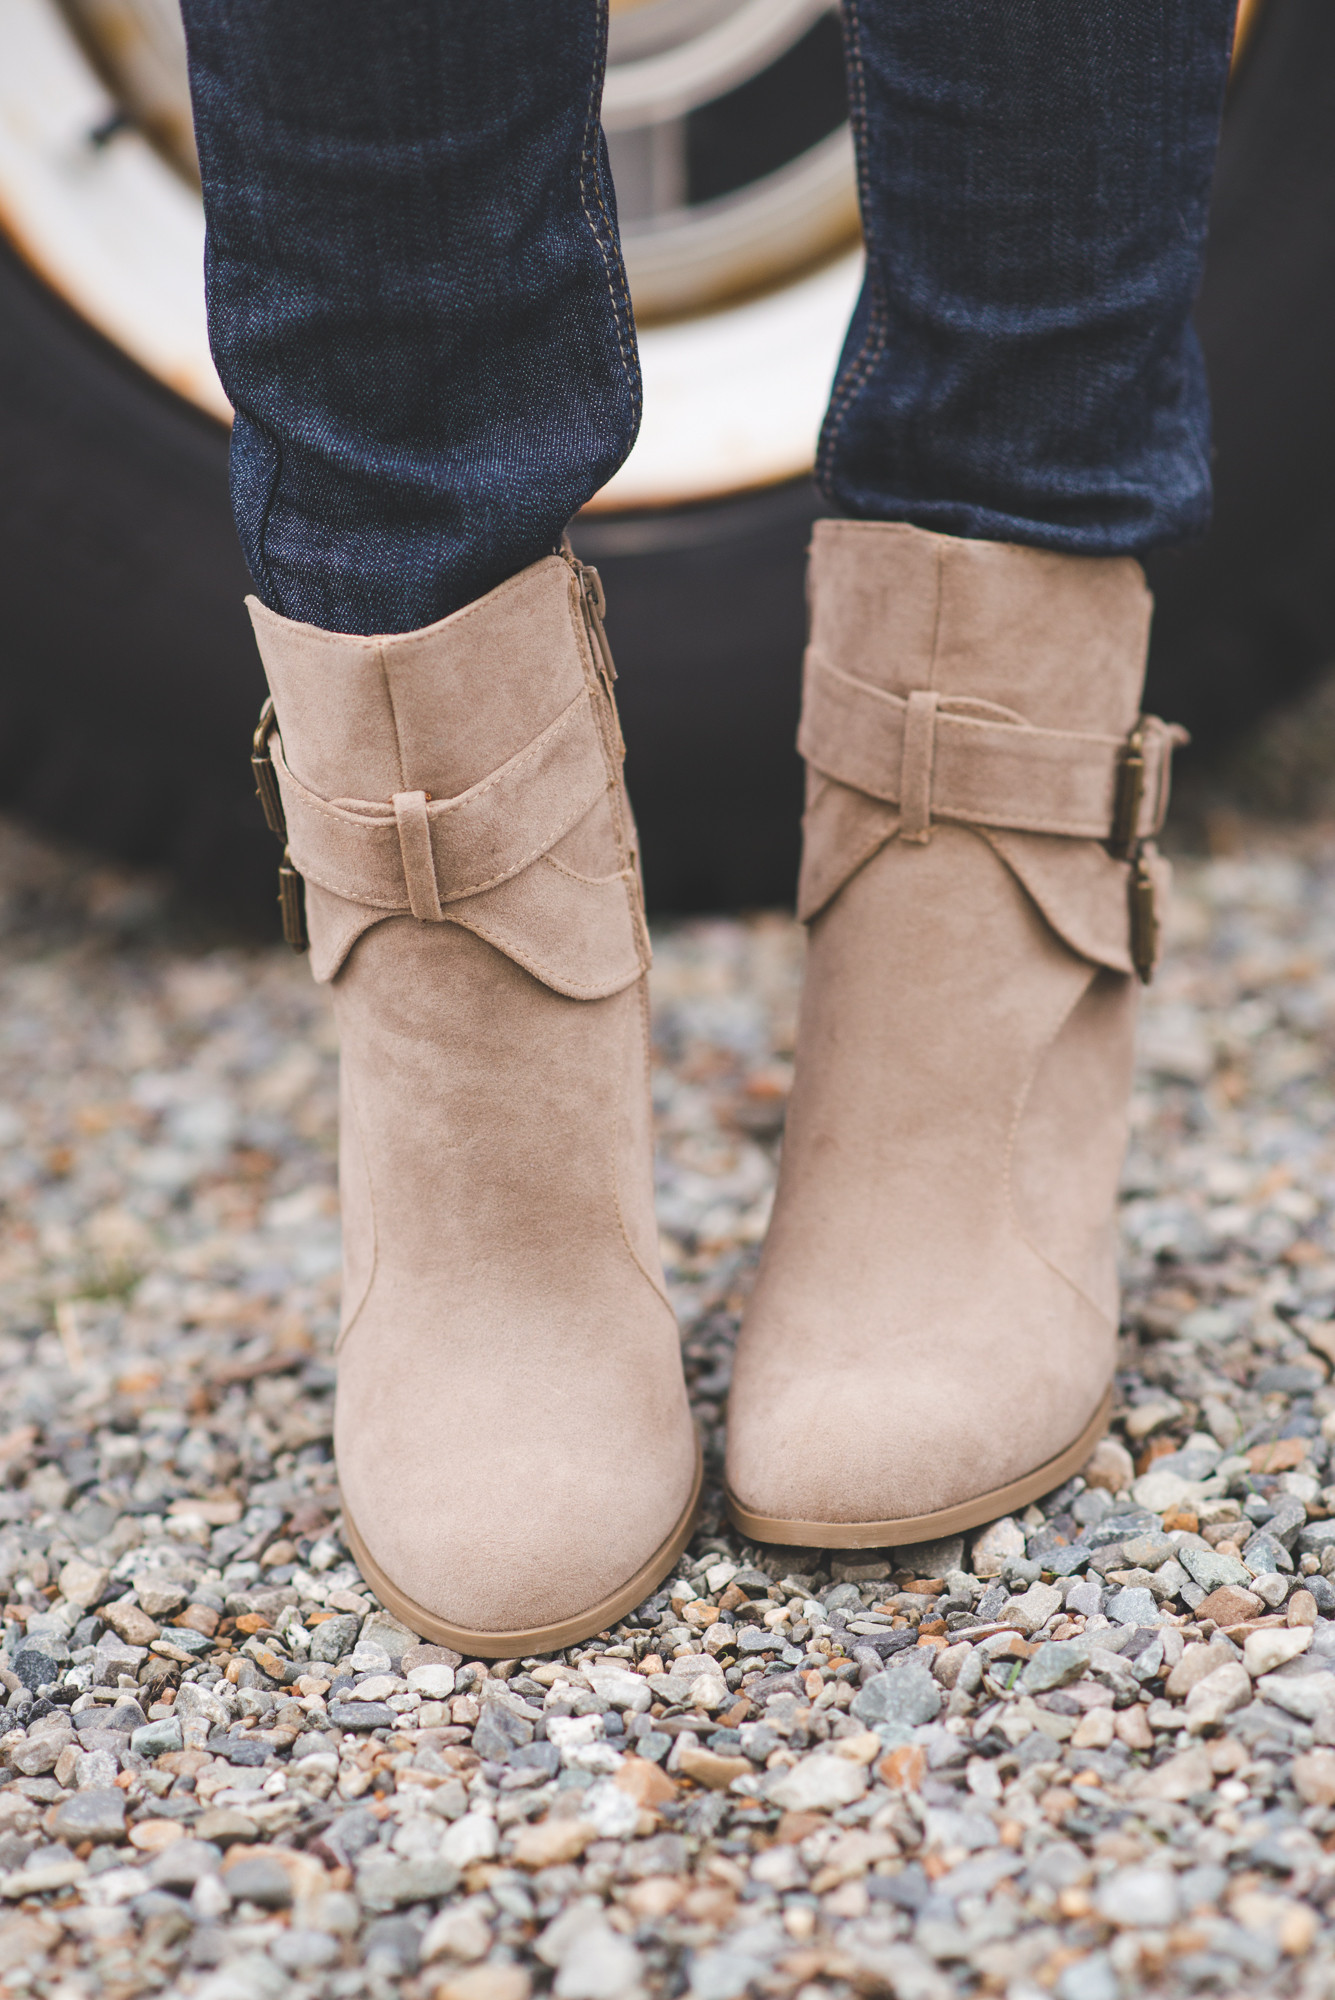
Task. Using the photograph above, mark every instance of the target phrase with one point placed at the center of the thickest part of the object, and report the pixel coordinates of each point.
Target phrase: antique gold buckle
(1129, 796)
(291, 901)
(1125, 844)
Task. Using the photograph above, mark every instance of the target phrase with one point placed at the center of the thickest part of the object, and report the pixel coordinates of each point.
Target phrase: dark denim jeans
(418, 307)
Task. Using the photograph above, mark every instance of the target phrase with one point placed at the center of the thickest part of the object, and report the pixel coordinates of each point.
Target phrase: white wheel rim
(733, 398)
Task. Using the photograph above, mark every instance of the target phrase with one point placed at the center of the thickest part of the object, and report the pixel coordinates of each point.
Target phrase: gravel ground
(1087, 1752)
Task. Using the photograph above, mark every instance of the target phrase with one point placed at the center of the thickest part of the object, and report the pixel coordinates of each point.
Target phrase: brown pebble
(1229, 1605)
(903, 1768)
(647, 1783)
(1280, 1455)
(552, 1842)
(198, 1618)
(1132, 1727)
(1109, 1466)
(706, 1767)
(1314, 1777)
(1302, 1608)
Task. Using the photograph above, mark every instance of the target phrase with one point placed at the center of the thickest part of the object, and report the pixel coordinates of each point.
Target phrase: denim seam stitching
(617, 291)
(854, 377)
(266, 577)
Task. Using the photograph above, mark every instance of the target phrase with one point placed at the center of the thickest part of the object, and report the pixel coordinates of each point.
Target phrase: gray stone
(996, 1546)
(1147, 1551)
(38, 1754)
(184, 1863)
(114, 1657)
(817, 1783)
(1211, 1570)
(1287, 1517)
(1091, 1978)
(498, 1732)
(155, 1739)
(92, 1815)
(35, 1668)
(386, 1632)
(1031, 1611)
(600, 1965)
(1306, 1695)
(333, 1638)
(388, 1881)
(1055, 1664)
(1315, 1538)
(1134, 1607)
(197, 1701)
(1217, 1696)
(1139, 1899)
(362, 1715)
(1264, 1556)
(1085, 1599)
(160, 1596)
(305, 1951)
(905, 1695)
(257, 1879)
(930, 1559)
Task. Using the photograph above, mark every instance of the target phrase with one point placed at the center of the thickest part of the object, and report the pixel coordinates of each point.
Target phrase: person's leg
(416, 297)
(1019, 412)
(1035, 181)
(417, 302)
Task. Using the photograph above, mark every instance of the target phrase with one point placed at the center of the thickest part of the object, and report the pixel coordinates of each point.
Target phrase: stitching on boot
(383, 665)
(545, 975)
(915, 769)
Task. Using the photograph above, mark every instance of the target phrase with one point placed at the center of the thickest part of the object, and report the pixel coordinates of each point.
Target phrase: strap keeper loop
(915, 771)
(419, 860)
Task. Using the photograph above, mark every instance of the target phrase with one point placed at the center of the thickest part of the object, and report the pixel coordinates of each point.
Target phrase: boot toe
(920, 1442)
(544, 1529)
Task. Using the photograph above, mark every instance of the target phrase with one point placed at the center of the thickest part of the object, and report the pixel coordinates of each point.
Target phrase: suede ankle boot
(931, 1338)
(515, 1451)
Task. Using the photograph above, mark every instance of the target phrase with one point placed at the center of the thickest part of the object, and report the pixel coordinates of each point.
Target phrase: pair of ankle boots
(931, 1336)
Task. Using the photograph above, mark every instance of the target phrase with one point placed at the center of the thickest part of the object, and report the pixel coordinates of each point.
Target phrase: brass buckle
(1144, 918)
(1129, 796)
(292, 904)
(1125, 844)
(266, 780)
(291, 901)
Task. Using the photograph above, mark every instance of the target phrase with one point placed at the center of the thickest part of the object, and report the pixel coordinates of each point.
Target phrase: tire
(129, 684)
(1246, 618)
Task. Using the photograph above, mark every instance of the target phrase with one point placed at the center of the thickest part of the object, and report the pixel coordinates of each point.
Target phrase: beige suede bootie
(515, 1451)
(931, 1338)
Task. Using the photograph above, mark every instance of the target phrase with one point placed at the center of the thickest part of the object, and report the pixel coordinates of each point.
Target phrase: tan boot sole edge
(925, 1527)
(541, 1638)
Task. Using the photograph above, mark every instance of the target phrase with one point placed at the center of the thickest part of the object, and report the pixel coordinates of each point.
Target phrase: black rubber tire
(129, 684)
(1245, 618)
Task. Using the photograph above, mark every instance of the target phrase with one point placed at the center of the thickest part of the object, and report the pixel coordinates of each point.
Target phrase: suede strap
(417, 856)
(945, 757)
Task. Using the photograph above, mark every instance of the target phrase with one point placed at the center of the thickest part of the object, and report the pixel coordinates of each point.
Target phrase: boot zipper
(594, 605)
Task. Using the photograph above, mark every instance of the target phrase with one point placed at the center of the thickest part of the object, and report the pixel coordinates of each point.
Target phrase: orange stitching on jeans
(620, 305)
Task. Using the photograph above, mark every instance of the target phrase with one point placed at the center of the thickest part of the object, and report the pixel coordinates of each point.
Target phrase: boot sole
(539, 1638)
(925, 1527)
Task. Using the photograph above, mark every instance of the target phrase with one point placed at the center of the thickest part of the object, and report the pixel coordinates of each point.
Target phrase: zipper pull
(595, 610)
